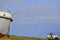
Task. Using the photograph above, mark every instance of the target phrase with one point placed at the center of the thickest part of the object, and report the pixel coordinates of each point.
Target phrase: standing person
(56, 38)
(50, 36)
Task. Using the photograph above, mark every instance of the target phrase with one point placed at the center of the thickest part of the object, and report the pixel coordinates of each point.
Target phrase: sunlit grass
(21, 38)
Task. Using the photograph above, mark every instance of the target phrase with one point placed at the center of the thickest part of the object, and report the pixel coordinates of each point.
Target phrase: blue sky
(33, 17)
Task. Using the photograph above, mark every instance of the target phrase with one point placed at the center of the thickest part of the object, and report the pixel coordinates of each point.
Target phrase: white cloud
(39, 10)
(34, 20)
(29, 18)
(29, 12)
(10, 3)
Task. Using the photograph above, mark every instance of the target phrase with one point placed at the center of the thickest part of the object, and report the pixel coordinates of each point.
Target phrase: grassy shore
(21, 38)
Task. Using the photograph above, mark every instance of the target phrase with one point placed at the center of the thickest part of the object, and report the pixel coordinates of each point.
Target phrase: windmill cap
(5, 15)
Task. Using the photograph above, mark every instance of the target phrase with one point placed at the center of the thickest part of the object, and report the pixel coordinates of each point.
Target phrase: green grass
(21, 38)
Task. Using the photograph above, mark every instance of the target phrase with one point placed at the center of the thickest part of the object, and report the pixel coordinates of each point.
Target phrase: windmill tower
(5, 20)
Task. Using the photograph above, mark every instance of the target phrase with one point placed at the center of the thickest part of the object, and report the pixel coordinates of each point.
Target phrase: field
(21, 38)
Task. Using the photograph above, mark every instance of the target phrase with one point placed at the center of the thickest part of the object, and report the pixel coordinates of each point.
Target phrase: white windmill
(5, 20)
